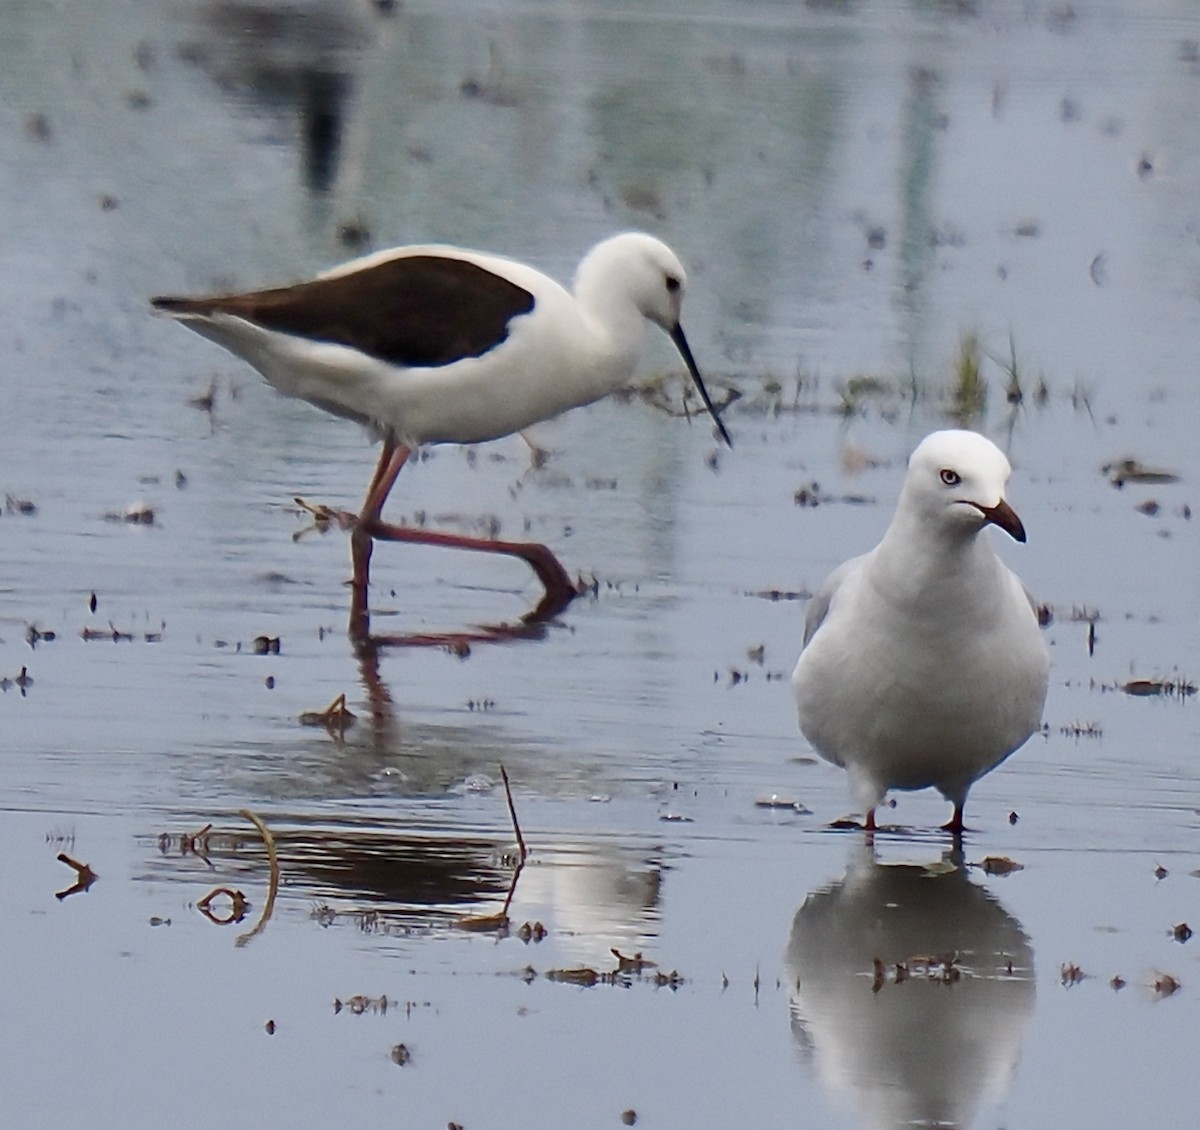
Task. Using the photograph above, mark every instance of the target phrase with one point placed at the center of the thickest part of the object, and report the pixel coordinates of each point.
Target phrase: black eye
(673, 284)
(950, 478)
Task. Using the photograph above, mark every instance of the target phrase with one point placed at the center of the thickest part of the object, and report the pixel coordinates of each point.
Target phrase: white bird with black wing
(436, 344)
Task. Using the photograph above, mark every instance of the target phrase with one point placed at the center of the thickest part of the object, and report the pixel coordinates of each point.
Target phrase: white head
(635, 269)
(956, 482)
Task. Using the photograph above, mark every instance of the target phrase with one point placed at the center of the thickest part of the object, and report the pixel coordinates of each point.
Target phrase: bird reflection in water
(911, 990)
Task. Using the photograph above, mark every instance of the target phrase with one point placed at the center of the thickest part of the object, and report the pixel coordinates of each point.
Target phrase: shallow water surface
(860, 192)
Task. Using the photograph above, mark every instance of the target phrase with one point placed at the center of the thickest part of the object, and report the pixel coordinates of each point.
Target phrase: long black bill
(1005, 517)
(685, 352)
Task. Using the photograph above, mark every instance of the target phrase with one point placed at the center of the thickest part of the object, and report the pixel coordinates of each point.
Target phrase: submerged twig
(513, 813)
(499, 922)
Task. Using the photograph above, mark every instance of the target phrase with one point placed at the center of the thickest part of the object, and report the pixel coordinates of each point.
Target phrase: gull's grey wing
(819, 608)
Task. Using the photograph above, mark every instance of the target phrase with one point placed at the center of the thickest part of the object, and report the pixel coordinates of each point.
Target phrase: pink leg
(869, 823)
(560, 589)
(391, 460)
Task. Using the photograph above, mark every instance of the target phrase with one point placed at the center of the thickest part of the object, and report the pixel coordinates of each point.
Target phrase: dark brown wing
(416, 310)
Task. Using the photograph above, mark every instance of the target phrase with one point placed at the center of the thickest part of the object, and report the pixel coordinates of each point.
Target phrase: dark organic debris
(19, 506)
(84, 876)
(115, 635)
(1164, 985)
(224, 915)
(337, 718)
(1071, 975)
(1000, 865)
(35, 635)
(1145, 688)
(1082, 730)
(266, 645)
(943, 969)
(1181, 932)
(23, 681)
(635, 964)
(811, 496)
(359, 1004)
(531, 932)
(775, 800)
(782, 594)
(401, 1055)
(135, 514)
(1124, 471)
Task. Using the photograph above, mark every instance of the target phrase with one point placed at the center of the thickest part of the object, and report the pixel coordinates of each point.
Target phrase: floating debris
(583, 976)
(629, 1117)
(235, 912)
(1124, 471)
(531, 932)
(207, 400)
(1082, 730)
(401, 1055)
(337, 718)
(135, 514)
(775, 800)
(782, 594)
(1160, 872)
(269, 1027)
(22, 506)
(1071, 975)
(35, 635)
(1000, 865)
(266, 645)
(1164, 985)
(635, 964)
(359, 1004)
(84, 876)
(23, 681)
(1117, 983)
(1181, 932)
(1148, 688)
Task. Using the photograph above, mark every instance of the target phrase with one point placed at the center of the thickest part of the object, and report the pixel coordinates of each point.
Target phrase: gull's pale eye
(950, 478)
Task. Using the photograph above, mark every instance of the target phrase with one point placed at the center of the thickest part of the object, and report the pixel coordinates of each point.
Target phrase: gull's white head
(956, 480)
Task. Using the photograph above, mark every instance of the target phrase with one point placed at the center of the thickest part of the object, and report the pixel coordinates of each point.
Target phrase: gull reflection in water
(911, 990)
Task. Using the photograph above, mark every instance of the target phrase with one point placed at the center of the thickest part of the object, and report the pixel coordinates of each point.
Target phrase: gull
(923, 664)
(431, 344)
